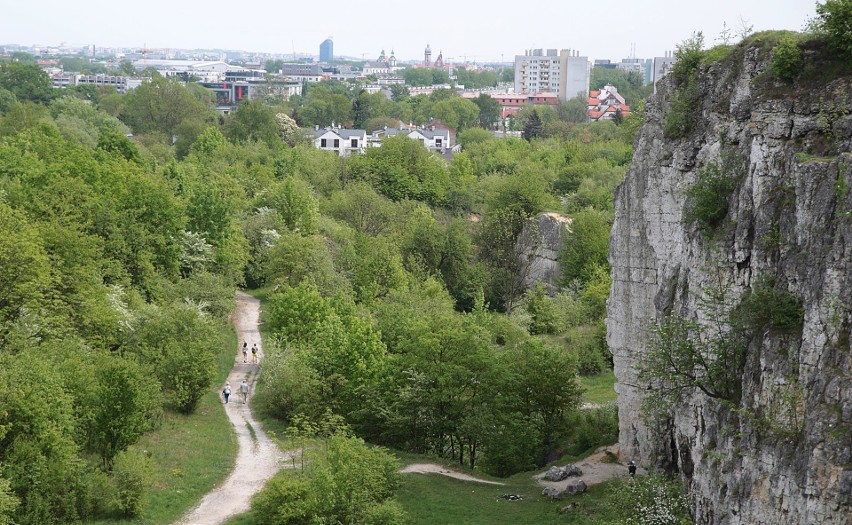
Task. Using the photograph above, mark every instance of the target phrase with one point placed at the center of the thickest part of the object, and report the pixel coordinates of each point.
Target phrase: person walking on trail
(254, 353)
(244, 391)
(245, 352)
(226, 392)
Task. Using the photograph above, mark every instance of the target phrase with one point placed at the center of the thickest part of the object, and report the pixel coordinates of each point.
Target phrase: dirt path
(596, 468)
(258, 458)
(432, 468)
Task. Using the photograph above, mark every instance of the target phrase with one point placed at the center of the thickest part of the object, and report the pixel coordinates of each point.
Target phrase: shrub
(592, 428)
(131, 475)
(652, 500)
(787, 60)
(767, 307)
(708, 198)
(681, 115)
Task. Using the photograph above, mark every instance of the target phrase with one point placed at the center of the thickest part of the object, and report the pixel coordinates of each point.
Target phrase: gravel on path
(258, 458)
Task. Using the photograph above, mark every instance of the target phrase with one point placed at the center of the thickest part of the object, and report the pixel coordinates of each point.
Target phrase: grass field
(191, 454)
(599, 388)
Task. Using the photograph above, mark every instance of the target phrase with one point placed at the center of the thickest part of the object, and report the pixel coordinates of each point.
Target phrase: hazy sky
(479, 30)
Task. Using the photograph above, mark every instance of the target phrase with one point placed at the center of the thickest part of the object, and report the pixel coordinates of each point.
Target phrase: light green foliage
(131, 475)
(687, 58)
(253, 121)
(293, 199)
(457, 113)
(162, 105)
(586, 245)
(345, 482)
(120, 405)
(180, 342)
(708, 198)
(8, 503)
(471, 136)
(403, 169)
(26, 82)
(24, 269)
(326, 104)
(787, 62)
(542, 310)
(425, 76)
(37, 453)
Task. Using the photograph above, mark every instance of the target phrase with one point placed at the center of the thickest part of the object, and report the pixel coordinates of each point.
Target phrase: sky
(464, 30)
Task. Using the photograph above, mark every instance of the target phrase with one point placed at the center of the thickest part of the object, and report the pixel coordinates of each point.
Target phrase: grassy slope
(599, 388)
(191, 454)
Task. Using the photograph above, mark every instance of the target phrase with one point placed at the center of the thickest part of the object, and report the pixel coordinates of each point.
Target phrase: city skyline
(471, 31)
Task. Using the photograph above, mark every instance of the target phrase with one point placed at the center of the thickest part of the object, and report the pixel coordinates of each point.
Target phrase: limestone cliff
(782, 451)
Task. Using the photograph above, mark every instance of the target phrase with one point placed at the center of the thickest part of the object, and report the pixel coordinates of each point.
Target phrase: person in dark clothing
(631, 468)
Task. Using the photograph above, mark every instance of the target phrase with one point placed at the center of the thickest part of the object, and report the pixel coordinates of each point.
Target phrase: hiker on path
(226, 392)
(254, 353)
(631, 468)
(245, 352)
(244, 391)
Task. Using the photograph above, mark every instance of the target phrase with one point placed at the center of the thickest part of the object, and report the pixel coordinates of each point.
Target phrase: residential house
(436, 137)
(605, 103)
(343, 141)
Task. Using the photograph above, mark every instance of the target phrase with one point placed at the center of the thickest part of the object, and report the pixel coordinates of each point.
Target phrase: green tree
(253, 120)
(27, 82)
(489, 110)
(161, 105)
(121, 402)
(533, 128)
(586, 245)
(834, 17)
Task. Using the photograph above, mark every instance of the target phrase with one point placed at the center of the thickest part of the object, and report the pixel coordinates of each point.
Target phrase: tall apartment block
(326, 50)
(565, 73)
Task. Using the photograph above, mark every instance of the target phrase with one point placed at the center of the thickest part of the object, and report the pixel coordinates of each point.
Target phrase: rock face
(538, 247)
(782, 452)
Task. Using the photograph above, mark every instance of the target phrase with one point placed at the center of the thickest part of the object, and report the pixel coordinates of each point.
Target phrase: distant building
(427, 56)
(344, 142)
(511, 103)
(606, 103)
(120, 83)
(300, 72)
(383, 66)
(433, 138)
(326, 53)
(565, 73)
(662, 66)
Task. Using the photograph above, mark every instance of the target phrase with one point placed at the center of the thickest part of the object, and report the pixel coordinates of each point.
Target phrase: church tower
(428, 56)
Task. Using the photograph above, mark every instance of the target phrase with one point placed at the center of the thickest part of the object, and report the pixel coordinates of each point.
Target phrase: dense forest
(394, 291)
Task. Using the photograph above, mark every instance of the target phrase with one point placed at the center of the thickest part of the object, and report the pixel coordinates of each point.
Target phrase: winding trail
(258, 458)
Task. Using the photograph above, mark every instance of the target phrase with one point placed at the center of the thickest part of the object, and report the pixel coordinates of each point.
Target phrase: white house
(343, 141)
(432, 139)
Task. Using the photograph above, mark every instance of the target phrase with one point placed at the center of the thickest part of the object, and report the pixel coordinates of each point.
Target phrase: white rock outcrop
(783, 452)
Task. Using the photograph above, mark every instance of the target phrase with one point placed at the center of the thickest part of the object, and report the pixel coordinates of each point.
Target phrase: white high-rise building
(565, 73)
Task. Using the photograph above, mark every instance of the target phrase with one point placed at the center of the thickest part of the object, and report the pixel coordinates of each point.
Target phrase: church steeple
(427, 56)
